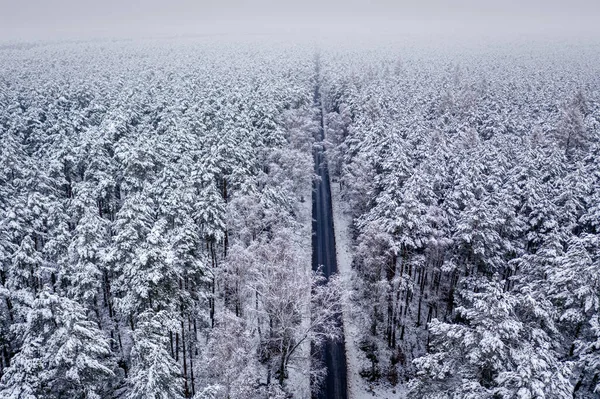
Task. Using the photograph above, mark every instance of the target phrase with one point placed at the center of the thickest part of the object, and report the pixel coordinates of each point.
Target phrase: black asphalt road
(333, 354)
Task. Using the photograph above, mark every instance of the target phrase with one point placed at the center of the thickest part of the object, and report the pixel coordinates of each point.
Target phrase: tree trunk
(186, 392)
(177, 347)
(282, 367)
(419, 311)
(171, 342)
(191, 344)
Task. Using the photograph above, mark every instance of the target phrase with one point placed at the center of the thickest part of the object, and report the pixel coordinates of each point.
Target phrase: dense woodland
(155, 226)
(154, 221)
(473, 179)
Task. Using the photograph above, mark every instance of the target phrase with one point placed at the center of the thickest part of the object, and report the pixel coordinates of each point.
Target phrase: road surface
(333, 353)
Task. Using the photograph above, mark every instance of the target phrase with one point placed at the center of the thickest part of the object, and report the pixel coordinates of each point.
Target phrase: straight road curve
(333, 354)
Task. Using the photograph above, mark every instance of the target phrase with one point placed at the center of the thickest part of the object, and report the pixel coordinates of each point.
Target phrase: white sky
(78, 19)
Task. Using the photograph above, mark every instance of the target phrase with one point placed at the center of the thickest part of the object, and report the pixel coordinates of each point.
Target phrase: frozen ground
(358, 388)
(298, 381)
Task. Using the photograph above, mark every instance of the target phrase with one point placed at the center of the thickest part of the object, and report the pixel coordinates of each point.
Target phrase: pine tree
(495, 348)
(63, 354)
(154, 373)
(87, 251)
(24, 277)
(149, 281)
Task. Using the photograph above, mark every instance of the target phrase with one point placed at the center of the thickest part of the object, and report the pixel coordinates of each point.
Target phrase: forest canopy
(155, 218)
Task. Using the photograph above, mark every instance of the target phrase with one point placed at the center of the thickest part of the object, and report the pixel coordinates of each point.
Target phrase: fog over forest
(72, 19)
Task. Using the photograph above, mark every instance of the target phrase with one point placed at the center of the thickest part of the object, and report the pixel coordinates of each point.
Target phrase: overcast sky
(78, 19)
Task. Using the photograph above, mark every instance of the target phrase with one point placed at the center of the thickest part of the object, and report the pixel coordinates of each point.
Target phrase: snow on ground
(358, 388)
(298, 382)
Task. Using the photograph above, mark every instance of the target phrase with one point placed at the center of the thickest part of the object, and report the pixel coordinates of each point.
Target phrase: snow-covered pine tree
(63, 353)
(154, 373)
(500, 345)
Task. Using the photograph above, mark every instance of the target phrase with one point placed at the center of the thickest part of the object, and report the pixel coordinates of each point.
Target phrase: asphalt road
(333, 354)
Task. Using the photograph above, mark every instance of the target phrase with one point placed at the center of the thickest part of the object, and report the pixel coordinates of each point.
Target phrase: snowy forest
(157, 230)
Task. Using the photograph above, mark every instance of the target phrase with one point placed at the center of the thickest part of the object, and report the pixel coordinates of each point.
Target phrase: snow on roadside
(358, 388)
(298, 381)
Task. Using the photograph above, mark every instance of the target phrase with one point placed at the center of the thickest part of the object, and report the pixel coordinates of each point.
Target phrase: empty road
(333, 353)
